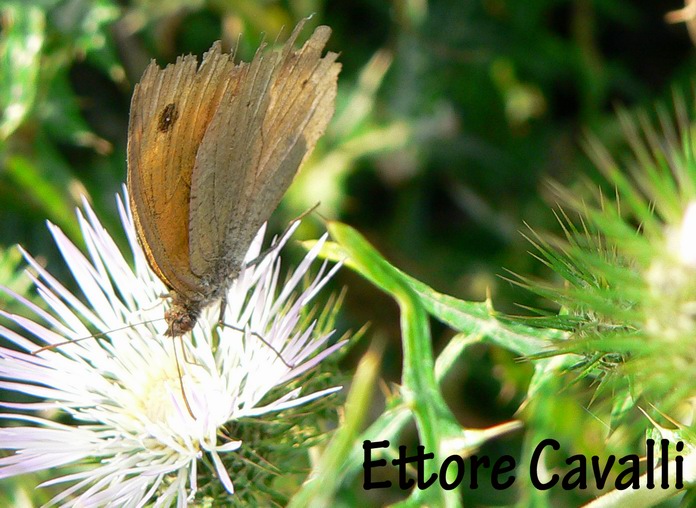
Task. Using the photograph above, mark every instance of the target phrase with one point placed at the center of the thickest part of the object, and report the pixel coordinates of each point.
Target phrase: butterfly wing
(281, 107)
(171, 110)
(228, 152)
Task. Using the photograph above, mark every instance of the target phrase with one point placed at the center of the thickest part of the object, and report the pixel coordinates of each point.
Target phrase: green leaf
(21, 41)
(51, 196)
(438, 429)
(320, 490)
(468, 317)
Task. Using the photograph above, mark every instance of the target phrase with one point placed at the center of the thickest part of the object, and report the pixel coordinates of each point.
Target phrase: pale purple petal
(136, 431)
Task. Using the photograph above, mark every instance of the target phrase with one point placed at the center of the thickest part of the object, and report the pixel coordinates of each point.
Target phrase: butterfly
(212, 148)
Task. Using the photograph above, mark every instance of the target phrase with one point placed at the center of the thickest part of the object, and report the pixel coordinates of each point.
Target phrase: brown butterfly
(211, 151)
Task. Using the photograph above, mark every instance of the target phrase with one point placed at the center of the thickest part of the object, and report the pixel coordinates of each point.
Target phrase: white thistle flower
(136, 442)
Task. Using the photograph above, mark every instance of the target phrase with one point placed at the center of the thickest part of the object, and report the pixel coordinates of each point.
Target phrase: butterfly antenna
(273, 247)
(96, 336)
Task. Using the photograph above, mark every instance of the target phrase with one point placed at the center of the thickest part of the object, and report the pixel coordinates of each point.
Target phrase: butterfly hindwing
(284, 102)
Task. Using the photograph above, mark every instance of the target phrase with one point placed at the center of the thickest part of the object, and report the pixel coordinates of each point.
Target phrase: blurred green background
(451, 115)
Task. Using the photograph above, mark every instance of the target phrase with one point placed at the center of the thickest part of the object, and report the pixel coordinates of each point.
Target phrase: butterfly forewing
(170, 112)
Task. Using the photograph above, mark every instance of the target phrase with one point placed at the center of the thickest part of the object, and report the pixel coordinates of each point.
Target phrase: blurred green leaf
(320, 489)
(21, 40)
(52, 198)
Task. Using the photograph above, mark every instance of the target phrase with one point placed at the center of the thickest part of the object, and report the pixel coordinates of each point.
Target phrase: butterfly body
(211, 151)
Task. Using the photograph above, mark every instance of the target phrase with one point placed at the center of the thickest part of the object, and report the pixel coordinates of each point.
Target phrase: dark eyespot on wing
(168, 117)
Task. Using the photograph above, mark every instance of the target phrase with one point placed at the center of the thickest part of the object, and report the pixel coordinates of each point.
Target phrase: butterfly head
(181, 317)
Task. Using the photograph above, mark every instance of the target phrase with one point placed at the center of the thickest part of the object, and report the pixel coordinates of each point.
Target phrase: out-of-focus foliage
(450, 115)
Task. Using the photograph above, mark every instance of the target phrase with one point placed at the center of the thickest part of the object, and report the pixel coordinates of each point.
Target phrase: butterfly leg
(181, 378)
(259, 337)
